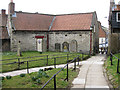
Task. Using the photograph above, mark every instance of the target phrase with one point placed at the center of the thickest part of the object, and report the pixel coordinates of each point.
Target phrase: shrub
(22, 75)
(8, 77)
(41, 70)
(2, 78)
(34, 78)
(38, 81)
(47, 76)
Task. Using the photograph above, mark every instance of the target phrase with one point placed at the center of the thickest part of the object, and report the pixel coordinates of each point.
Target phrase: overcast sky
(63, 7)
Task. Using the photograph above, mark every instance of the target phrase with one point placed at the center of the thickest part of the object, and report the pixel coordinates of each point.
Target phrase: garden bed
(33, 80)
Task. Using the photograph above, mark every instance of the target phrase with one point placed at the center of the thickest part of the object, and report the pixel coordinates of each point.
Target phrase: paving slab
(78, 81)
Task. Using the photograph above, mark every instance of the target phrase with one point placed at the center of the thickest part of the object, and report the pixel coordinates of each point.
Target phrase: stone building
(4, 37)
(43, 32)
(114, 27)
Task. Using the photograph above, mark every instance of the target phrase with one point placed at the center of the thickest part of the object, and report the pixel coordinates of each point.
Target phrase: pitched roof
(101, 31)
(44, 22)
(117, 8)
(73, 22)
(28, 21)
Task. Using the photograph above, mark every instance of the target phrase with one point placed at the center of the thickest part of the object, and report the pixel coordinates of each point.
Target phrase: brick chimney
(11, 8)
(4, 17)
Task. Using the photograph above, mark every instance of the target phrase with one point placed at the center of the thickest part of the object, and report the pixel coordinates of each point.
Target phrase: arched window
(65, 47)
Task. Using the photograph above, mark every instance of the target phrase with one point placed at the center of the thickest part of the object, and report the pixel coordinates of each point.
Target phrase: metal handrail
(58, 72)
(111, 55)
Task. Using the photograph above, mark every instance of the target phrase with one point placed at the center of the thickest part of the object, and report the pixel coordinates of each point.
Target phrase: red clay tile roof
(40, 22)
(101, 31)
(117, 8)
(4, 32)
(73, 22)
(27, 21)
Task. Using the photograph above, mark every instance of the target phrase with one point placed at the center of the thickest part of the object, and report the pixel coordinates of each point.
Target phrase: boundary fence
(19, 62)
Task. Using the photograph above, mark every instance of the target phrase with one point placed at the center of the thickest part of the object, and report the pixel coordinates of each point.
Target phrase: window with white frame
(118, 17)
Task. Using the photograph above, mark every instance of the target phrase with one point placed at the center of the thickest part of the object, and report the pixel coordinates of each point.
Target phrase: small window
(118, 17)
(66, 35)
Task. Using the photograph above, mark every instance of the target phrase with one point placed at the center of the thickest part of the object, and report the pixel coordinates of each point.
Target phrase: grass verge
(112, 74)
(39, 63)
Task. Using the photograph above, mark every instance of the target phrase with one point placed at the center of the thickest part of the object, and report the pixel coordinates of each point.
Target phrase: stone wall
(81, 39)
(28, 40)
(4, 45)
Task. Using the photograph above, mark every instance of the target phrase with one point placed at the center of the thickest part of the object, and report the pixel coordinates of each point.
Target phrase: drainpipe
(90, 42)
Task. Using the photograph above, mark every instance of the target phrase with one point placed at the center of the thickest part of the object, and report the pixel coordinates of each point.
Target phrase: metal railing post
(78, 59)
(118, 66)
(54, 62)
(111, 59)
(67, 57)
(75, 64)
(27, 68)
(55, 82)
(18, 63)
(67, 72)
(47, 60)
(82, 56)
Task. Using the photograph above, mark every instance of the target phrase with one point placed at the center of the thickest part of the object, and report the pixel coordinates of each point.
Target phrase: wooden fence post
(47, 60)
(27, 67)
(18, 63)
(54, 62)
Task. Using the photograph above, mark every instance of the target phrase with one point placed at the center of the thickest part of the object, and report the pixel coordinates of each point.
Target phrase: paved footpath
(18, 72)
(91, 74)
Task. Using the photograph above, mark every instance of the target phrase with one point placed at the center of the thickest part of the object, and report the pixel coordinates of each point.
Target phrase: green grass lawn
(38, 63)
(112, 71)
(27, 82)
